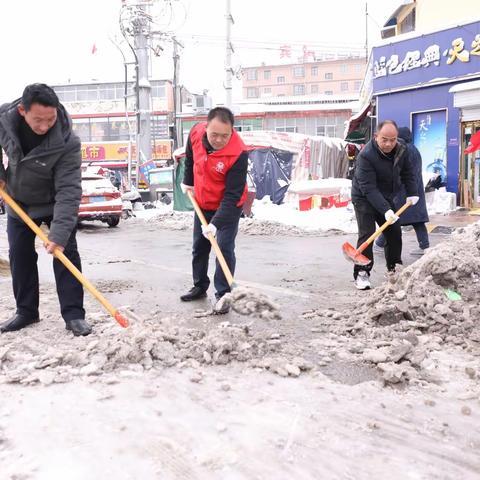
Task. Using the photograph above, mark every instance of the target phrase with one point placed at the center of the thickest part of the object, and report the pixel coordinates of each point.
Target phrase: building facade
(103, 116)
(341, 76)
(414, 82)
(315, 116)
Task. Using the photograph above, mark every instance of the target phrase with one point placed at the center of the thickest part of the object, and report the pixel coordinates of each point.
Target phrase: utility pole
(177, 93)
(228, 57)
(141, 26)
(366, 32)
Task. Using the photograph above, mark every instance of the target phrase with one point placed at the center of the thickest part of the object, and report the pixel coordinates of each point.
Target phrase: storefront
(467, 100)
(412, 82)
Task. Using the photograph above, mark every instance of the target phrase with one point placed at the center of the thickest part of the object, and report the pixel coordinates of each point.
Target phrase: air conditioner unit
(201, 103)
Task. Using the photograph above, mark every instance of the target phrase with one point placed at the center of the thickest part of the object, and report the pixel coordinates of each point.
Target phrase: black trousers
(23, 265)
(201, 251)
(367, 216)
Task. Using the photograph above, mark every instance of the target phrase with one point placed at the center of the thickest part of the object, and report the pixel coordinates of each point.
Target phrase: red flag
(94, 48)
(474, 144)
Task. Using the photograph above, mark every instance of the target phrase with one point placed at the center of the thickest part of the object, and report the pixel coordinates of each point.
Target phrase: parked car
(100, 200)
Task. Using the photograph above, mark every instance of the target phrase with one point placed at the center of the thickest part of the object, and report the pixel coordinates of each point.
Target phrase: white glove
(210, 228)
(413, 200)
(186, 188)
(390, 216)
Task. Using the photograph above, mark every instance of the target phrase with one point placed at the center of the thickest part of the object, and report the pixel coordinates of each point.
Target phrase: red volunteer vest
(210, 169)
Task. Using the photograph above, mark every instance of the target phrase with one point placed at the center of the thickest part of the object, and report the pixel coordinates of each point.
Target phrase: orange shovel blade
(353, 255)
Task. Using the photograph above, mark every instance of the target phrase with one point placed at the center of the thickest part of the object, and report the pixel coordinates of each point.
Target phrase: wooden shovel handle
(61, 256)
(379, 230)
(213, 241)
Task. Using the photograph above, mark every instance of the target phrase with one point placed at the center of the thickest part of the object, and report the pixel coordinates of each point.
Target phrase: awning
(355, 132)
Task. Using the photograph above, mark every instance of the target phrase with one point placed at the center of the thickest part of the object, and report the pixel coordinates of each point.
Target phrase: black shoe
(17, 322)
(194, 294)
(79, 327)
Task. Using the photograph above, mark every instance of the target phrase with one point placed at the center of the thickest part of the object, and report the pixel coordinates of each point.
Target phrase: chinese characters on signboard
(115, 151)
(430, 137)
(432, 55)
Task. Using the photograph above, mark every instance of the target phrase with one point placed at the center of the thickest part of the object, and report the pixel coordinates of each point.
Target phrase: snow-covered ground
(314, 220)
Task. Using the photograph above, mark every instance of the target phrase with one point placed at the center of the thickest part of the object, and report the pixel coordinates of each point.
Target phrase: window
(243, 128)
(99, 129)
(343, 68)
(328, 76)
(286, 129)
(344, 86)
(252, 74)
(314, 88)
(328, 92)
(314, 71)
(358, 67)
(107, 92)
(299, 71)
(252, 92)
(299, 89)
(326, 130)
(267, 90)
(158, 91)
(118, 129)
(358, 85)
(267, 74)
(281, 79)
(82, 129)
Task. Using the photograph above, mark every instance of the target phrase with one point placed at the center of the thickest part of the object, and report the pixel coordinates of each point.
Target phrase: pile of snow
(313, 221)
(268, 219)
(46, 354)
(401, 322)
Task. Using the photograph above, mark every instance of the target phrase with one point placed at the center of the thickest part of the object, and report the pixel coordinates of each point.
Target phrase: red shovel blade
(353, 255)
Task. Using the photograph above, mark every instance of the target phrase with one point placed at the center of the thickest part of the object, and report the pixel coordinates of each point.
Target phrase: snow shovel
(243, 300)
(355, 254)
(61, 256)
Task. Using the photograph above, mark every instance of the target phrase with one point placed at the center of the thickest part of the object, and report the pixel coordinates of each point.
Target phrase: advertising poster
(430, 137)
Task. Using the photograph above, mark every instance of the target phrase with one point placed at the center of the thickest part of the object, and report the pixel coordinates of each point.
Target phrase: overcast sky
(51, 40)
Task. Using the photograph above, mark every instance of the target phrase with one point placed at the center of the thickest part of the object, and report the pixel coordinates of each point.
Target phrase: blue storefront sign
(411, 82)
(432, 58)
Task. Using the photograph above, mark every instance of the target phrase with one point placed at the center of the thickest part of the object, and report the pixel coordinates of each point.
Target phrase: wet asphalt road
(143, 265)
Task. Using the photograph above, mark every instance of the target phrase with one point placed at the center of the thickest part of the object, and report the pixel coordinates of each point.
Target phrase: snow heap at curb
(45, 354)
(400, 322)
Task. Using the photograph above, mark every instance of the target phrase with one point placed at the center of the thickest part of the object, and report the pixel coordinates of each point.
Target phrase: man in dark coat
(417, 215)
(43, 176)
(382, 167)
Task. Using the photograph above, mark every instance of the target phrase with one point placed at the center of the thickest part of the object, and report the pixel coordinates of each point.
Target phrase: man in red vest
(216, 164)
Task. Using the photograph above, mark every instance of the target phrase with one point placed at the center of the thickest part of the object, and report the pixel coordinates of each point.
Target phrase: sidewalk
(448, 222)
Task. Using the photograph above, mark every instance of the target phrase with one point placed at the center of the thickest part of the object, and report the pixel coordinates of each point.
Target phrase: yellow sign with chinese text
(118, 151)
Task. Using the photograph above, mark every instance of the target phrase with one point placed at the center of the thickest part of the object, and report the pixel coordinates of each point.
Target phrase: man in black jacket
(382, 167)
(416, 216)
(44, 176)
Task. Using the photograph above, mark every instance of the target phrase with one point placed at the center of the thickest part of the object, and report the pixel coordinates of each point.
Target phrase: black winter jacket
(47, 181)
(416, 213)
(378, 178)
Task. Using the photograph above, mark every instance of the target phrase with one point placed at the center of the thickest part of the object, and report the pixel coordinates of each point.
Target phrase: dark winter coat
(379, 178)
(47, 181)
(416, 213)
